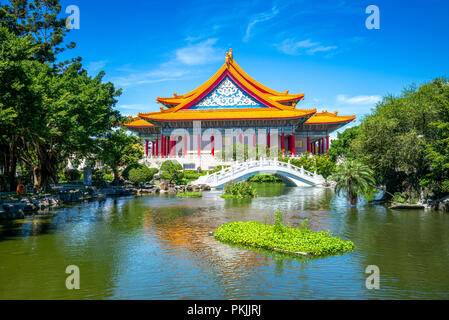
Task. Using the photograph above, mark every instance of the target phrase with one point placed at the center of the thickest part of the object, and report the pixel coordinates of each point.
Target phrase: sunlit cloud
(96, 66)
(292, 47)
(261, 17)
(363, 99)
(200, 53)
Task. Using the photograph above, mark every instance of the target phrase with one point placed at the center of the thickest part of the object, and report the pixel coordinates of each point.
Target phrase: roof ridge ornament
(229, 58)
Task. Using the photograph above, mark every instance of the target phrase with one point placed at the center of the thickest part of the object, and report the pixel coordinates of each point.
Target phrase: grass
(190, 195)
(296, 241)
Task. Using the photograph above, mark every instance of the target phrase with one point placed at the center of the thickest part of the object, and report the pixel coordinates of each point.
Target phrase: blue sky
(153, 49)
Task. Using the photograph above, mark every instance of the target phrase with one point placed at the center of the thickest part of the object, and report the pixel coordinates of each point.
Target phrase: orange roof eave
(230, 115)
(139, 124)
(329, 118)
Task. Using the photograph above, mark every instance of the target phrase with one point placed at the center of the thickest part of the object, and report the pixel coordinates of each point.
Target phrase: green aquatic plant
(241, 190)
(190, 194)
(297, 241)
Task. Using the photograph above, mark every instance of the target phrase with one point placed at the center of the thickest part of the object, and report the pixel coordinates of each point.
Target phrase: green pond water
(159, 248)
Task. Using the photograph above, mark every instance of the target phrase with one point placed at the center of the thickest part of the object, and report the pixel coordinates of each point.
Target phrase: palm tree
(355, 178)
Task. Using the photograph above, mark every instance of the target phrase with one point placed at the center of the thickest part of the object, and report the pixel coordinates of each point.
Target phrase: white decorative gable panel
(227, 95)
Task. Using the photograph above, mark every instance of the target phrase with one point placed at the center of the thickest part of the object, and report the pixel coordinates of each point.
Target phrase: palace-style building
(229, 109)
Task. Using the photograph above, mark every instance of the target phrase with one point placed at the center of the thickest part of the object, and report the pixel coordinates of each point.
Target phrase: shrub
(290, 240)
(171, 171)
(241, 190)
(141, 174)
(72, 175)
(191, 176)
(265, 178)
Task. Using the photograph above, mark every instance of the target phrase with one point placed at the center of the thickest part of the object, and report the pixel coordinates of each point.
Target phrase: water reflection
(160, 248)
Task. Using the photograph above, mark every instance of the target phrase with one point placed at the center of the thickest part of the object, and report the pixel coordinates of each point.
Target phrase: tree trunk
(116, 180)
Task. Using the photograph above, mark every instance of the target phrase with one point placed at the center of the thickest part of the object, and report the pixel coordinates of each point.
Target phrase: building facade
(233, 117)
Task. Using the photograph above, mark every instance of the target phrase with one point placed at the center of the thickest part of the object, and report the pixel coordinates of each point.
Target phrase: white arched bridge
(291, 174)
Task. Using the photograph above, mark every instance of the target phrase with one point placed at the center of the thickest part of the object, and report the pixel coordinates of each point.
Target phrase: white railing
(239, 170)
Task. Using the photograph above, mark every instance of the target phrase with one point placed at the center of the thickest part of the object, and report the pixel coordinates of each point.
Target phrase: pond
(159, 247)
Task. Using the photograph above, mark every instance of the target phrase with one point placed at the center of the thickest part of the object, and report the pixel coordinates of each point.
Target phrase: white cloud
(95, 66)
(201, 53)
(359, 99)
(261, 17)
(181, 64)
(292, 47)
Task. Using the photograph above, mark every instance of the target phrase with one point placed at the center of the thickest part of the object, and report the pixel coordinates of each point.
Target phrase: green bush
(321, 164)
(108, 177)
(282, 239)
(241, 190)
(125, 173)
(72, 175)
(191, 176)
(141, 174)
(171, 171)
(265, 178)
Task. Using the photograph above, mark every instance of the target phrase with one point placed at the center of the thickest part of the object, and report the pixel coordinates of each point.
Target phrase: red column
(322, 146)
(255, 140)
(283, 143)
(293, 138)
(185, 145)
(146, 147)
(157, 148)
(268, 142)
(152, 148)
(172, 146)
(212, 141)
(167, 141)
(308, 144)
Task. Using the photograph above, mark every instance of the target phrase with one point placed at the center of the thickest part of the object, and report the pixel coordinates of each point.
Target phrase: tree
(171, 170)
(118, 148)
(398, 140)
(40, 20)
(355, 179)
(343, 145)
(16, 56)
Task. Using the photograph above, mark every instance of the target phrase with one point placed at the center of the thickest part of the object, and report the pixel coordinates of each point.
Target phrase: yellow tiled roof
(329, 118)
(139, 123)
(273, 98)
(274, 109)
(236, 114)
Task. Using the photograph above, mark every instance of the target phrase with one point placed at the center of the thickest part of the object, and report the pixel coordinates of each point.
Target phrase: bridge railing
(230, 172)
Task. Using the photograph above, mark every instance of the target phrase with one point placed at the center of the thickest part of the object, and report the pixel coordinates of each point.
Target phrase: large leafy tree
(343, 145)
(16, 57)
(119, 148)
(51, 114)
(41, 20)
(437, 145)
(392, 140)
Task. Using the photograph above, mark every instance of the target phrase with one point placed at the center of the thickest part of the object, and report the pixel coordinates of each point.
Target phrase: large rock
(444, 204)
(11, 211)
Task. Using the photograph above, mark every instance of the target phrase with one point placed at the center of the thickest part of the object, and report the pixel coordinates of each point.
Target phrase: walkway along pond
(159, 247)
